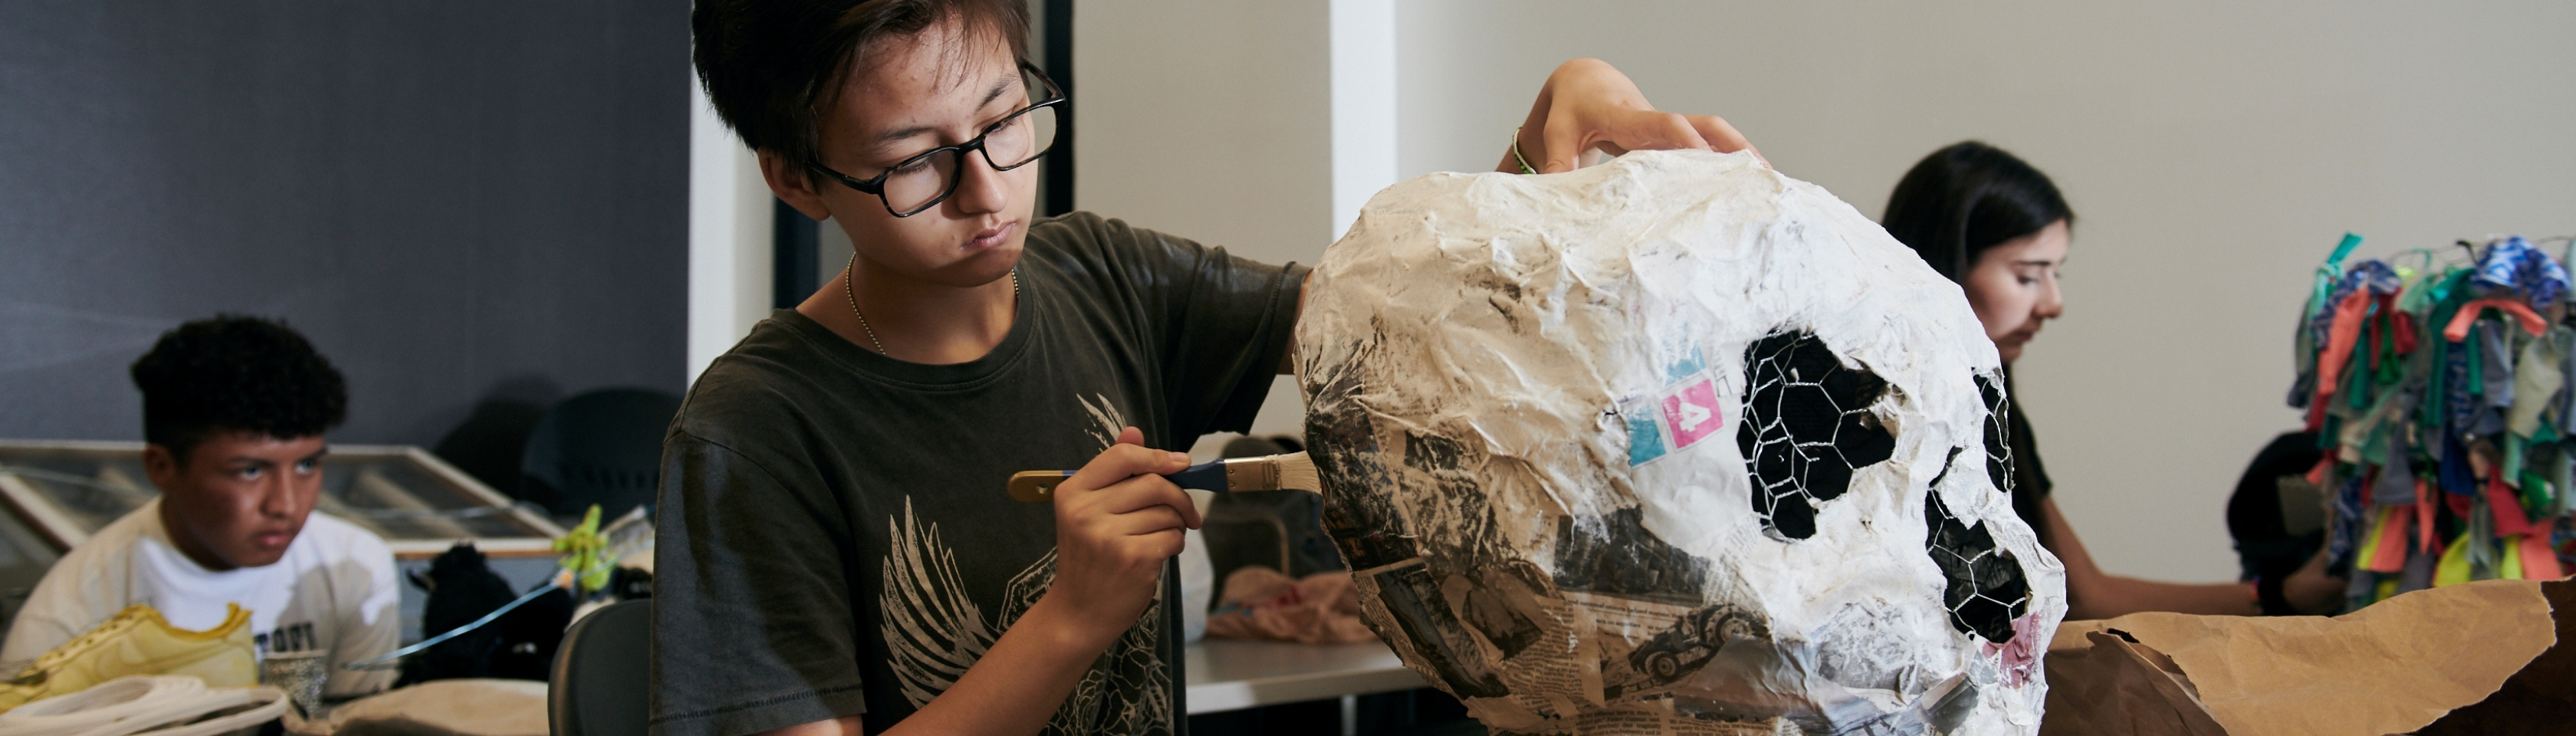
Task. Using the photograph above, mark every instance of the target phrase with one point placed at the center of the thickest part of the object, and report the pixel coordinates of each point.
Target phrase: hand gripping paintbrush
(1275, 472)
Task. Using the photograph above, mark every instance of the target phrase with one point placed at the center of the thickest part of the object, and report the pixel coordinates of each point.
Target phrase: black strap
(2267, 589)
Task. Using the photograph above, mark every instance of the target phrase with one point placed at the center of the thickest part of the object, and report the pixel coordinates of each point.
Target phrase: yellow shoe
(138, 641)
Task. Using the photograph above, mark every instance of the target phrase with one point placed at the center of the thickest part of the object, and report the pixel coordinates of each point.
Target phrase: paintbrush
(1292, 471)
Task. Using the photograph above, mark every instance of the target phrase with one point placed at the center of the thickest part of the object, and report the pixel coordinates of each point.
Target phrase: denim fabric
(2513, 264)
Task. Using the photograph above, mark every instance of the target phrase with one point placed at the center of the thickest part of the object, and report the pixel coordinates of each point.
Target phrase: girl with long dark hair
(2000, 228)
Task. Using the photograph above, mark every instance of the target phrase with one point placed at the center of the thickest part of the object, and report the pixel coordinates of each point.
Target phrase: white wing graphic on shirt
(1107, 415)
(933, 629)
(936, 632)
(1130, 690)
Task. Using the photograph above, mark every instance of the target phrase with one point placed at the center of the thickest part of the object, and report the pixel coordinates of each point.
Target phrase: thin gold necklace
(850, 272)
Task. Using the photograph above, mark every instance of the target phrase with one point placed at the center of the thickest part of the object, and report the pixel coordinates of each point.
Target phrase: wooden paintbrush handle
(1292, 470)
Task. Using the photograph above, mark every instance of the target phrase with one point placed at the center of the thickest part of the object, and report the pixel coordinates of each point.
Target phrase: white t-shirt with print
(333, 590)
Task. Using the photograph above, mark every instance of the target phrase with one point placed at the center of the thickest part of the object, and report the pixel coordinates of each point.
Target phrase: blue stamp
(1645, 436)
(1689, 364)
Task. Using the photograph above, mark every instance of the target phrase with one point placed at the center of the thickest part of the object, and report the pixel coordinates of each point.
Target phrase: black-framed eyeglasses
(926, 179)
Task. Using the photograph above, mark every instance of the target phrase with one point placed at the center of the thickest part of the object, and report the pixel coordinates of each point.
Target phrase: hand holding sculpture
(1672, 445)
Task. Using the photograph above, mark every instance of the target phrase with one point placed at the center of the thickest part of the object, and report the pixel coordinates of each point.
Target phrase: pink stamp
(1692, 413)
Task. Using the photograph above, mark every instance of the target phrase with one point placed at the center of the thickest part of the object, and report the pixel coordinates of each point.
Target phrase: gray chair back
(601, 678)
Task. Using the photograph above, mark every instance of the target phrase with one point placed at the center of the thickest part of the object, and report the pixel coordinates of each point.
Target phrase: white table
(1232, 674)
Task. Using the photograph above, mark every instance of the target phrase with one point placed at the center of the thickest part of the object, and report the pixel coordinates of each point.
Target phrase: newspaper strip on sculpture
(1672, 445)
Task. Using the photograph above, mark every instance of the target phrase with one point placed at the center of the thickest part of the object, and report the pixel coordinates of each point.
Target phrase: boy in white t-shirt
(233, 413)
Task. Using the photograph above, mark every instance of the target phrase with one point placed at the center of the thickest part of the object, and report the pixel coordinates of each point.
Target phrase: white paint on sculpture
(1675, 444)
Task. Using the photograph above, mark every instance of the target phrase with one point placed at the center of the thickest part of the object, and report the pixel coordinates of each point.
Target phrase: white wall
(730, 221)
(1364, 103)
(2213, 152)
(1210, 120)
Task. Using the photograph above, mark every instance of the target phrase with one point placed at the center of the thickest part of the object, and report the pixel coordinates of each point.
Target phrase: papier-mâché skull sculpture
(1675, 444)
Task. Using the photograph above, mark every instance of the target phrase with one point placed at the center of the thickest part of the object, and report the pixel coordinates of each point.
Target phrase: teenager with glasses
(835, 550)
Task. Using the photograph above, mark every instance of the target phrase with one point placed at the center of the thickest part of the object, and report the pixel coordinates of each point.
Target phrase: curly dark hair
(235, 373)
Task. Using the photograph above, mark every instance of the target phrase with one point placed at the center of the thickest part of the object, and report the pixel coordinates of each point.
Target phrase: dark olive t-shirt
(833, 533)
(2030, 484)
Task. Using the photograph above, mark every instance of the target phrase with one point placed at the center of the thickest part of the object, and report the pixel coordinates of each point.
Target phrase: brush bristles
(1298, 471)
(1289, 471)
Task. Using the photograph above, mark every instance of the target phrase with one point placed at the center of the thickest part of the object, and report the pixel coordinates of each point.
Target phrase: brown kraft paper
(2394, 667)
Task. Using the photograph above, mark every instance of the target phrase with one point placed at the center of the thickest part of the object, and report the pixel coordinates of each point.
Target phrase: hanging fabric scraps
(2442, 395)
(2513, 265)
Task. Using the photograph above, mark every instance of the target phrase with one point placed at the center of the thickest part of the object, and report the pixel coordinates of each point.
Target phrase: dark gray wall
(457, 201)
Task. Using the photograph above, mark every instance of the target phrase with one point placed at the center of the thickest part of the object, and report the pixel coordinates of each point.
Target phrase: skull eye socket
(1807, 427)
(1985, 588)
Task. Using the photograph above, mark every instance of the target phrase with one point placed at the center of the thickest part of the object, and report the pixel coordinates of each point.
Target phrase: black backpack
(519, 645)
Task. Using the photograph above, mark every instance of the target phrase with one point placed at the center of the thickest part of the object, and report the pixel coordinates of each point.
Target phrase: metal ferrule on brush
(1252, 473)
